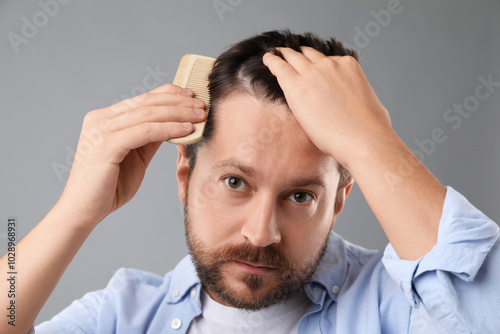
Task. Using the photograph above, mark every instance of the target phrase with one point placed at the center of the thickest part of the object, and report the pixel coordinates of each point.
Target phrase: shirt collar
(184, 278)
(331, 273)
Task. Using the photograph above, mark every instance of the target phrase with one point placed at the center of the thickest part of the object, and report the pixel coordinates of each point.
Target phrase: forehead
(265, 137)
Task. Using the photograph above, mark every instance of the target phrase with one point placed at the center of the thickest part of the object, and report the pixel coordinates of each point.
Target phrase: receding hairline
(240, 69)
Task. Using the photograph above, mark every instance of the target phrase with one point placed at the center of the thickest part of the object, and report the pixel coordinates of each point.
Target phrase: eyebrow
(234, 164)
(306, 182)
(296, 183)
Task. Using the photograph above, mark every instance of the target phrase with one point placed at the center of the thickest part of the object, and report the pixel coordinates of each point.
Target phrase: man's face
(259, 204)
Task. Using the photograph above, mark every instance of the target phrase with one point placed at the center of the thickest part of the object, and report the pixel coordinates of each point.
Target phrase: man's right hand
(117, 144)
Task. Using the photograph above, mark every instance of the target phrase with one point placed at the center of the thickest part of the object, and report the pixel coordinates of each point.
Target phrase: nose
(261, 226)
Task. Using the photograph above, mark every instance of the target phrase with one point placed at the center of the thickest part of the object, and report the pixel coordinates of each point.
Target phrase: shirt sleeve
(125, 305)
(455, 285)
(79, 317)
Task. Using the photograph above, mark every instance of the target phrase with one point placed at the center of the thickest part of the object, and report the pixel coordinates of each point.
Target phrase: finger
(147, 152)
(171, 88)
(145, 133)
(282, 70)
(296, 59)
(336, 58)
(169, 99)
(155, 99)
(312, 54)
(149, 114)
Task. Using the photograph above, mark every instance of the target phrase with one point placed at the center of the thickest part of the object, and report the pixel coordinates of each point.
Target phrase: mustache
(269, 256)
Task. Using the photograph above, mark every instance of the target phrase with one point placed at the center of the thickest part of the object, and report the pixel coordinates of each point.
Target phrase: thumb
(148, 151)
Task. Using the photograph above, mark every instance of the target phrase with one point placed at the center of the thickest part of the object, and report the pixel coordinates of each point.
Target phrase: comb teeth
(193, 73)
(198, 80)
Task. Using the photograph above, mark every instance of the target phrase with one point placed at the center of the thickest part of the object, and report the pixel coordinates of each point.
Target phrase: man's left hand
(332, 100)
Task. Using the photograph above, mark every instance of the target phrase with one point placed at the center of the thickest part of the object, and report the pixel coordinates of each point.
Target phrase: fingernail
(187, 125)
(198, 101)
(186, 90)
(199, 112)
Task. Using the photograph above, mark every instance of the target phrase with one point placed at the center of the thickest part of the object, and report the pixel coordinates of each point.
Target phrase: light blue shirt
(455, 289)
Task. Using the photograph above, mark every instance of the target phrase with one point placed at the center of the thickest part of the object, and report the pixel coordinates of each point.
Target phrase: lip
(253, 268)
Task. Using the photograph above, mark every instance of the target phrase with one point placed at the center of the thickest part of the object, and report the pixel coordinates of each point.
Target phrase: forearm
(403, 194)
(41, 259)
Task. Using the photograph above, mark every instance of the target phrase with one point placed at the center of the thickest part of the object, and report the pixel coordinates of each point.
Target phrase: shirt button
(175, 293)
(193, 293)
(335, 289)
(176, 323)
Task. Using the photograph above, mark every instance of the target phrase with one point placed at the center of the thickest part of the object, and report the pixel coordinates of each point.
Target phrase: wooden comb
(193, 73)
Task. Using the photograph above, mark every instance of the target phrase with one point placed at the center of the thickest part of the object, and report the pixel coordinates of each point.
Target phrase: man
(289, 131)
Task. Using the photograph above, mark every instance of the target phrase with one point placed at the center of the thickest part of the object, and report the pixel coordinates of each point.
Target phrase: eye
(235, 183)
(300, 197)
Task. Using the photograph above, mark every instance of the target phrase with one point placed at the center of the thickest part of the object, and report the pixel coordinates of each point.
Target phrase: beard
(244, 290)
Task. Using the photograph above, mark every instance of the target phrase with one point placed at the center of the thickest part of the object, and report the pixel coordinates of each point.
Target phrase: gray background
(92, 53)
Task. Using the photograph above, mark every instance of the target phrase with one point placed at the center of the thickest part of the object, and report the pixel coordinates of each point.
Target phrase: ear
(342, 195)
(182, 172)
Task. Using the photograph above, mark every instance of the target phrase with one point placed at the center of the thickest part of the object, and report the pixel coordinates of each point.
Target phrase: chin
(250, 292)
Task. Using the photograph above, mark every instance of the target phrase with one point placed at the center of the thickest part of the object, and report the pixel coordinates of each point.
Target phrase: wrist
(71, 216)
(374, 149)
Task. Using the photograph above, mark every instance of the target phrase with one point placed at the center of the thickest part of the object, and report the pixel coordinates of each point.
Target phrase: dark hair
(240, 70)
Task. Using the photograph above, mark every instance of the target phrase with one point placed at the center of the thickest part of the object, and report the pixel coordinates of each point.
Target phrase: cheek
(211, 220)
(201, 195)
(303, 247)
(304, 240)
